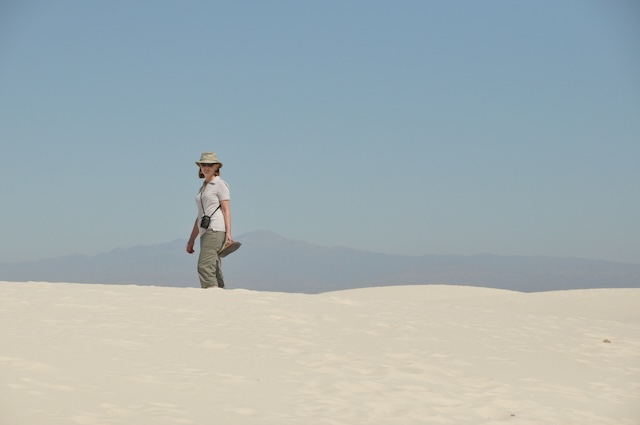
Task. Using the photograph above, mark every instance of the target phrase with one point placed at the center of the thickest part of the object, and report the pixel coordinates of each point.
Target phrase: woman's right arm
(192, 238)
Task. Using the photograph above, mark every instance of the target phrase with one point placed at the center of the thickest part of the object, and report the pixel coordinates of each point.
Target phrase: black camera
(204, 223)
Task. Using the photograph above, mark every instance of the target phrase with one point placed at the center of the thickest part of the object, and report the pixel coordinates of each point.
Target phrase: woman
(213, 224)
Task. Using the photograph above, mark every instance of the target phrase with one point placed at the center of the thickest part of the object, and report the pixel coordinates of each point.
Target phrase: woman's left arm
(226, 213)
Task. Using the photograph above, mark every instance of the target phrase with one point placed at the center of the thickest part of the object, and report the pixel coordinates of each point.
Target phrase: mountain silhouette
(269, 262)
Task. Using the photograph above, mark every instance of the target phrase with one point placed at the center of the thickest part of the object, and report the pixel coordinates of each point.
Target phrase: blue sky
(409, 127)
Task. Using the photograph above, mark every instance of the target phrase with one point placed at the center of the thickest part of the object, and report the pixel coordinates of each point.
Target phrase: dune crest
(106, 354)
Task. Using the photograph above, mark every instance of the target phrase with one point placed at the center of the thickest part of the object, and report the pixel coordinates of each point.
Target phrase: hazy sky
(410, 127)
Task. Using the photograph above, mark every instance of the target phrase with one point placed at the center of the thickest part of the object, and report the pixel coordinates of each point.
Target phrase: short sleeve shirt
(209, 197)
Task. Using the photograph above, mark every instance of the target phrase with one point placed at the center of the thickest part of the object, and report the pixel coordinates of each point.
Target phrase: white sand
(106, 354)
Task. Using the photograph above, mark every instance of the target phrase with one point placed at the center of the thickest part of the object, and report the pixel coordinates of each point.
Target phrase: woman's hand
(226, 213)
(192, 238)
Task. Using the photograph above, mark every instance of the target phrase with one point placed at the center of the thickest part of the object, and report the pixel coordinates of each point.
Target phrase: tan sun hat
(208, 158)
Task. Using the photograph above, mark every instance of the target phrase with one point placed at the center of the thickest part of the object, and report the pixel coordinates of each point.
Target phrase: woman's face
(209, 169)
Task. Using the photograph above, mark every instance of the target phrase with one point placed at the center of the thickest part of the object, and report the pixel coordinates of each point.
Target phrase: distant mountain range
(269, 262)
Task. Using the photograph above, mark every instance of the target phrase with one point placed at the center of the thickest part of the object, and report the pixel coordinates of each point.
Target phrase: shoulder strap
(202, 203)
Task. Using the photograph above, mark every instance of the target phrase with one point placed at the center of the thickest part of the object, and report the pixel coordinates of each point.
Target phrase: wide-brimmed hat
(208, 158)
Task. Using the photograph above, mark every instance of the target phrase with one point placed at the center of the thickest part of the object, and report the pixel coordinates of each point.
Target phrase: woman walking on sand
(213, 224)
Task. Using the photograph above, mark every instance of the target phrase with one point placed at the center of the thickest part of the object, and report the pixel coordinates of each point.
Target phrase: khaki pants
(209, 263)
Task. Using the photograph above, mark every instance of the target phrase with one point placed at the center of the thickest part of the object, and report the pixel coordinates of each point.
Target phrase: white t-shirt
(210, 196)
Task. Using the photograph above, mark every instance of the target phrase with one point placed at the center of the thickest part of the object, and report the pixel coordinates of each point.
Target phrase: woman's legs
(209, 263)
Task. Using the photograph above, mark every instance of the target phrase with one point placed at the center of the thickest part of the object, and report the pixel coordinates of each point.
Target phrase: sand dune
(102, 354)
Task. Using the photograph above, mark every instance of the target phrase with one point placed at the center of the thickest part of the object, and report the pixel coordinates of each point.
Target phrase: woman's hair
(217, 173)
